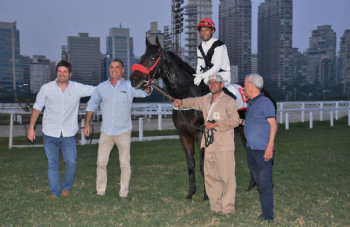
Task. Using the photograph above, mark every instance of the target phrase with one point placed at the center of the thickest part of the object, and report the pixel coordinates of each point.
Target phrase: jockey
(211, 54)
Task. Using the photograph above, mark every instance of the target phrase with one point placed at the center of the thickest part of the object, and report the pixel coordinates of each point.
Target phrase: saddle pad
(238, 91)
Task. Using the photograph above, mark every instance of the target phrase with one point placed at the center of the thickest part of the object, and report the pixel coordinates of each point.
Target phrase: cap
(216, 78)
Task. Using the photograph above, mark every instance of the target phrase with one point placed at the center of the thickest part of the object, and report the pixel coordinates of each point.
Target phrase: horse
(177, 77)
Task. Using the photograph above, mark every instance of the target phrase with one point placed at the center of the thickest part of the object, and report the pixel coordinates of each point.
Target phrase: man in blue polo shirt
(260, 129)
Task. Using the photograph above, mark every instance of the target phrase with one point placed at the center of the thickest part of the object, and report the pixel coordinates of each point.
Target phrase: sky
(44, 25)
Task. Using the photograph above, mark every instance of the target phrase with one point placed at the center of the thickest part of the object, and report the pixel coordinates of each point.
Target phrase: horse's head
(149, 67)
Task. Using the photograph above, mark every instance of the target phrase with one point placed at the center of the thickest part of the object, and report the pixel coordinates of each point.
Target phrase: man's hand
(209, 125)
(31, 134)
(87, 130)
(177, 103)
(198, 78)
(268, 154)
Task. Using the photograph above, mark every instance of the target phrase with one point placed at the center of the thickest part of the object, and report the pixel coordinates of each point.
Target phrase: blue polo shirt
(256, 126)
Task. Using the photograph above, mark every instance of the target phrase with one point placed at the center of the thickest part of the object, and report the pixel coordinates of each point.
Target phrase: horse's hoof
(250, 188)
(188, 197)
(206, 197)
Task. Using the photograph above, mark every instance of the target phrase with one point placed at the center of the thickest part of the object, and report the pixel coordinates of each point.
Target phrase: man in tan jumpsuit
(219, 161)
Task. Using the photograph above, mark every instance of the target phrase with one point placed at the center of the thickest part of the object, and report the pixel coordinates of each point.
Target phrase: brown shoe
(51, 196)
(65, 193)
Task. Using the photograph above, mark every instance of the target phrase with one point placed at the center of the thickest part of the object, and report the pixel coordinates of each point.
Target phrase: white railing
(148, 110)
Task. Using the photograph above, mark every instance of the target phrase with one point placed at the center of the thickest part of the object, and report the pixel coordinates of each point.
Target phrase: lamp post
(324, 94)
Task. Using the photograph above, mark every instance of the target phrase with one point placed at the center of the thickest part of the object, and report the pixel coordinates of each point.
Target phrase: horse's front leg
(202, 150)
(188, 144)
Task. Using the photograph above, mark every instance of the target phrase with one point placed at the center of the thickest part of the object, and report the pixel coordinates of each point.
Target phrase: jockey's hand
(198, 78)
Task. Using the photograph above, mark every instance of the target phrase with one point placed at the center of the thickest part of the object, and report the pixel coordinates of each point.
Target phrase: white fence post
(83, 138)
(159, 117)
(321, 112)
(140, 128)
(11, 131)
(302, 112)
(336, 111)
(311, 123)
(287, 121)
(281, 113)
(331, 119)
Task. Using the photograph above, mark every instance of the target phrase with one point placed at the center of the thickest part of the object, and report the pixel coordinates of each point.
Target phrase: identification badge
(217, 115)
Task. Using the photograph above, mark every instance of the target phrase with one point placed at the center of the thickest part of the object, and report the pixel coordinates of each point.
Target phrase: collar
(251, 101)
(210, 42)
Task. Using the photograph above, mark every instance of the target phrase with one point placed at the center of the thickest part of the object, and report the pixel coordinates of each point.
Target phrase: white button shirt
(219, 60)
(61, 108)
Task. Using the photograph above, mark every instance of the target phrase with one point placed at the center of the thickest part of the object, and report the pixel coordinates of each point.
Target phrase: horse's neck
(180, 84)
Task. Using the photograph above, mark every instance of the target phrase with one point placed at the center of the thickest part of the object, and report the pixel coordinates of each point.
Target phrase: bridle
(143, 69)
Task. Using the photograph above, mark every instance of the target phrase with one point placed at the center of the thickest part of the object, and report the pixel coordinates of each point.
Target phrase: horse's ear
(157, 42)
(148, 43)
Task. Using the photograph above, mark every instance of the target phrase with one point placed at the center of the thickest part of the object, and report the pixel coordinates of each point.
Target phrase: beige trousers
(220, 180)
(104, 149)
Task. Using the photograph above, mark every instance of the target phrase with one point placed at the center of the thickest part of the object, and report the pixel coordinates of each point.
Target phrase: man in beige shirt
(219, 161)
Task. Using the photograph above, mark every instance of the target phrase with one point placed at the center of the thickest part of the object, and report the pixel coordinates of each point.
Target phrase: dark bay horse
(177, 76)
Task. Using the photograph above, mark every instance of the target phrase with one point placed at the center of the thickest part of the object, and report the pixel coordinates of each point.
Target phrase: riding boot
(227, 92)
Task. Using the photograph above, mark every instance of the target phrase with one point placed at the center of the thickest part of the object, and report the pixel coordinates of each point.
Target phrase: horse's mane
(184, 65)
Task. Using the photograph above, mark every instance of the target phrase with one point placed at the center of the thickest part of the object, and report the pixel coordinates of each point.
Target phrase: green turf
(311, 179)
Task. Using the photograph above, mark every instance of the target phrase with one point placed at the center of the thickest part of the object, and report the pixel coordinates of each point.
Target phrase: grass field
(311, 179)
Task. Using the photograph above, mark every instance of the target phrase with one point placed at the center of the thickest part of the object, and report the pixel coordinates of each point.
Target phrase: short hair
(65, 64)
(256, 79)
(117, 60)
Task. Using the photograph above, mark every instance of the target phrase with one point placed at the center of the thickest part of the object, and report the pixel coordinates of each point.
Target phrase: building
(275, 30)
(322, 42)
(299, 64)
(11, 62)
(344, 60)
(195, 10)
(153, 33)
(235, 27)
(120, 45)
(53, 70)
(325, 72)
(105, 60)
(26, 74)
(234, 74)
(254, 63)
(40, 72)
(84, 55)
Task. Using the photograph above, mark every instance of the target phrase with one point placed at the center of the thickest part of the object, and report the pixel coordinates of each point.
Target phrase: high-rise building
(26, 73)
(322, 42)
(275, 29)
(105, 60)
(40, 72)
(11, 62)
(195, 10)
(84, 55)
(53, 70)
(235, 25)
(299, 63)
(344, 60)
(120, 45)
(153, 33)
(254, 63)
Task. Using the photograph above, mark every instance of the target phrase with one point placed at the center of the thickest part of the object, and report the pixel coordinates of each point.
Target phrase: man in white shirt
(211, 54)
(60, 124)
(115, 98)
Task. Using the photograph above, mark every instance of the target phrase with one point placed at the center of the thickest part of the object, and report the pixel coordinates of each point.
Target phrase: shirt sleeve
(217, 61)
(85, 90)
(94, 101)
(195, 103)
(269, 109)
(232, 120)
(40, 99)
(200, 61)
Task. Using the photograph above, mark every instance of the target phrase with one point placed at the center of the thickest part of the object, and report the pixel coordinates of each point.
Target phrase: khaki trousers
(104, 149)
(220, 180)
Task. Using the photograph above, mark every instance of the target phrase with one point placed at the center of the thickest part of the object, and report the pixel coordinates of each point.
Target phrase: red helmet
(206, 22)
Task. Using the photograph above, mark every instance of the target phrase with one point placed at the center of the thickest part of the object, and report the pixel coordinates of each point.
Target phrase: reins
(208, 135)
